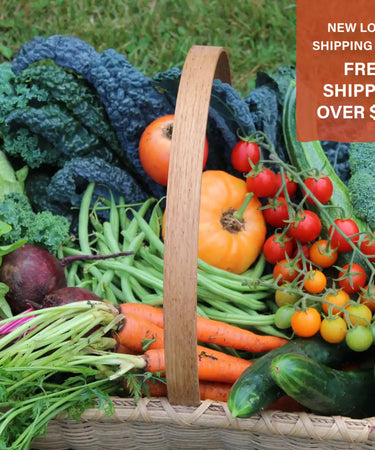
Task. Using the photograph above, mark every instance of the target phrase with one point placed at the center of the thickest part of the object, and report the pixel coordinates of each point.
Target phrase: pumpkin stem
(240, 211)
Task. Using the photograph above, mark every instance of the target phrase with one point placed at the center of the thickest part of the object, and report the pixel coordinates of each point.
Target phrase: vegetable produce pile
(286, 251)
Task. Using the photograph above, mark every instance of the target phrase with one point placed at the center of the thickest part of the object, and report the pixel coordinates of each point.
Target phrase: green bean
(110, 238)
(141, 275)
(119, 294)
(131, 230)
(156, 219)
(261, 319)
(149, 270)
(153, 299)
(114, 218)
(153, 239)
(134, 246)
(123, 220)
(138, 289)
(72, 274)
(227, 294)
(83, 219)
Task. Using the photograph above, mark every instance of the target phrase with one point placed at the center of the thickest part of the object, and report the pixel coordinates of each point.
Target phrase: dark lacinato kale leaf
(64, 137)
(338, 155)
(64, 189)
(130, 98)
(265, 103)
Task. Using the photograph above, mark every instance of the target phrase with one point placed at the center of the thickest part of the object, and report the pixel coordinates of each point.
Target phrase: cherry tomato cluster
(312, 293)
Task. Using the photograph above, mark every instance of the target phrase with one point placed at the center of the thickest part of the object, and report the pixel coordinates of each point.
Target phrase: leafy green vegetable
(39, 228)
(361, 185)
(10, 180)
(51, 364)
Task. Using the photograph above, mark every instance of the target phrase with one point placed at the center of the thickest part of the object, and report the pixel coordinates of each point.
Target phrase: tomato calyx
(232, 220)
(168, 131)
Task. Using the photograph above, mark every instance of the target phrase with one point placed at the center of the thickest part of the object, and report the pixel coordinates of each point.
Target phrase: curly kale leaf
(39, 228)
(129, 97)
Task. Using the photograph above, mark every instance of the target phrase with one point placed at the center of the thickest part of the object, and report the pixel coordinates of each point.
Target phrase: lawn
(157, 34)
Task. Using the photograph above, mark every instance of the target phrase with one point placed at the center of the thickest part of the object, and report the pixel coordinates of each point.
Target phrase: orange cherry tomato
(322, 255)
(315, 281)
(155, 146)
(340, 299)
(286, 271)
(306, 323)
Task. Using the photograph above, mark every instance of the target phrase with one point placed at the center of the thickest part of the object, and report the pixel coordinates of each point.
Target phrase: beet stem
(71, 258)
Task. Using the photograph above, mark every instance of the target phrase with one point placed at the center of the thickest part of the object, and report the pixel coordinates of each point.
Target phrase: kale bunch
(43, 229)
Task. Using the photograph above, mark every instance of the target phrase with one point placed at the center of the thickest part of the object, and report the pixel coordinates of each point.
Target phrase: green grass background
(157, 34)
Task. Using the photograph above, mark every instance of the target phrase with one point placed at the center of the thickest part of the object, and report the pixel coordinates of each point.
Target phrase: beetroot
(68, 295)
(30, 273)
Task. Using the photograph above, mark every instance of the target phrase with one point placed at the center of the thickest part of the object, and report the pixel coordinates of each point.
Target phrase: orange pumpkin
(224, 241)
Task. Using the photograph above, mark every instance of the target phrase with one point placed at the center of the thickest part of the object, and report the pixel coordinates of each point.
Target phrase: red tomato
(242, 152)
(321, 188)
(261, 182)
(276, 212)
(286, 271)
(277, 247)
(289, 185)
(350, 230)
(306, 226)
(352, 277)
(368, 247)
(155, 146)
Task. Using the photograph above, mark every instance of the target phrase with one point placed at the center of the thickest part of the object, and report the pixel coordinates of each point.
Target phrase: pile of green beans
(239, 299)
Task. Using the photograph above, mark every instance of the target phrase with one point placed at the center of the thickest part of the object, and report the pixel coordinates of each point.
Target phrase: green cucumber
(255, 389)
(325, 390)
(310, 155)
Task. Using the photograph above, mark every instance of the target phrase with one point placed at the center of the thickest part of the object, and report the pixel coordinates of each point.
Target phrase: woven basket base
(155, 423)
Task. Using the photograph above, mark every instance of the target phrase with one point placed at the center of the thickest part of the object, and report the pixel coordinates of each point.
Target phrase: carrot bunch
(217, 370)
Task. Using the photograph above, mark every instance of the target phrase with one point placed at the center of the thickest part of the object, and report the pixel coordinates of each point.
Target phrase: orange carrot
(135, 330)
(208, 390)
(213, 331)
(213, 365)
(120, 348)
(151, 313)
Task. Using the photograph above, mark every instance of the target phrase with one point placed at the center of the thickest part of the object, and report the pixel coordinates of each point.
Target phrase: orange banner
(336, 70)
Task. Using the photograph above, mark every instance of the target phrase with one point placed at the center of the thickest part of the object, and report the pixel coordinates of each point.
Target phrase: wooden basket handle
(202, 65)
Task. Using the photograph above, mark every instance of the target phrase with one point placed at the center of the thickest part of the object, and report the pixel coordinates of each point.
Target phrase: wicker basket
(182, 421)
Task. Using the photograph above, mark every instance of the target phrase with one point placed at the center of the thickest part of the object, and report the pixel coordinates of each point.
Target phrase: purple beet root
(30, 273)
(66, 295)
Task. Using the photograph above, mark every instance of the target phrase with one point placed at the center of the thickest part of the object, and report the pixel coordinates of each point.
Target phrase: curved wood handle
(202, 65)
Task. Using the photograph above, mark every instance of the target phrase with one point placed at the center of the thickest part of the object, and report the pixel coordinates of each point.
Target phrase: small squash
(226, 241)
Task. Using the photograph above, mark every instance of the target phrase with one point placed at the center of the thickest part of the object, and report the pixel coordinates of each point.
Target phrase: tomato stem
(240, 211)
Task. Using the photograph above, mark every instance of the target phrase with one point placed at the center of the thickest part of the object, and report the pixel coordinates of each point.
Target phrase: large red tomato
(155, 146)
